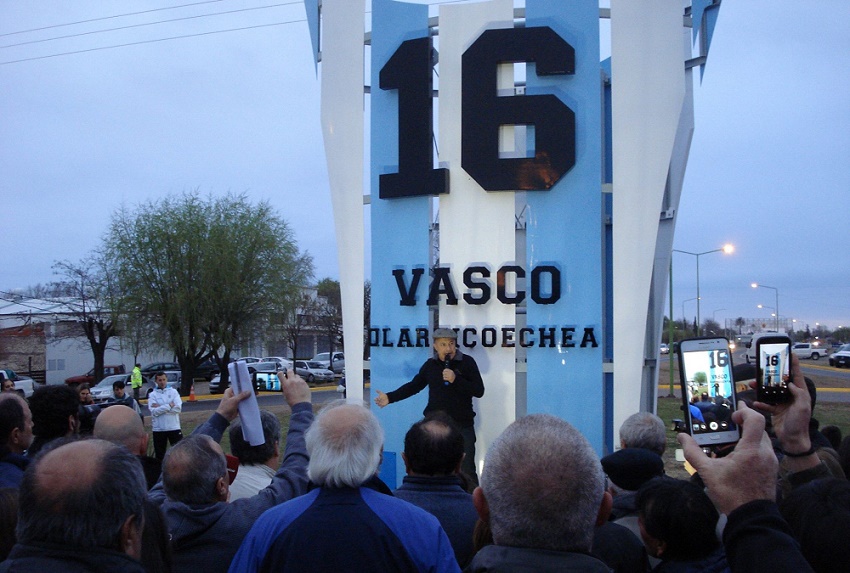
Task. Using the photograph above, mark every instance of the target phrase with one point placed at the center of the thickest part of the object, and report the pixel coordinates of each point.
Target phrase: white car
(286, 362)
(102, 391)
(664, 349)
(23, 384)
(312, 371)
(324, 358)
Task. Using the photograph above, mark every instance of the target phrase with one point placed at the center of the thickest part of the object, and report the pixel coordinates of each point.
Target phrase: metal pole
(670, 331)
(698, 317)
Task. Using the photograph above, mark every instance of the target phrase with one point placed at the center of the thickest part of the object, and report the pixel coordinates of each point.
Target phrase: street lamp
(726, 249)
(776, 291)
(684, 318)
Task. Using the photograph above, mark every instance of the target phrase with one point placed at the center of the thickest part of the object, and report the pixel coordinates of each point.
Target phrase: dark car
(88, 377)
(207, 369)
(840, 357)
(154, 367)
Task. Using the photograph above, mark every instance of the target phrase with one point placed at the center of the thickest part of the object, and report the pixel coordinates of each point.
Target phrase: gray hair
(544, 485)
(191, 469)
(644, 430)
(89, 515)
(254, 455)
(345, 444)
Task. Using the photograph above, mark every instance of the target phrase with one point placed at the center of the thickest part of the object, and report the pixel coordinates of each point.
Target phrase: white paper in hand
(249, 411)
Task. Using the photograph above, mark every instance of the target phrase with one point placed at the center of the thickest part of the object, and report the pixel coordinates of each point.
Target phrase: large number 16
(483, 112)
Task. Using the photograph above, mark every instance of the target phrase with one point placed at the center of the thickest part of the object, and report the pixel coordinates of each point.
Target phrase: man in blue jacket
(343, 525)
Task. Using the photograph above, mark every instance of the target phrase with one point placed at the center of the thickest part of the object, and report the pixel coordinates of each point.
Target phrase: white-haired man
(542, 492)
(644, 430)
(371, 531)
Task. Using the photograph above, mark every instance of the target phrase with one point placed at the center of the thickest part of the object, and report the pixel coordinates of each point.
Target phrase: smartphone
(773, 366)
(708, 391)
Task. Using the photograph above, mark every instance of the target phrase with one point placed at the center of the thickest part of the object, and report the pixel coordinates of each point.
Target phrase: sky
(86, 133)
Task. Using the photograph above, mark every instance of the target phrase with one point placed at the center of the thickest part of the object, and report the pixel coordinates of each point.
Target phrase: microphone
(447, 363)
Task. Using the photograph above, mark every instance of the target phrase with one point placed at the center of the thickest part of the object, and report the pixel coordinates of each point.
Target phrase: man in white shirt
(257, 464)
(165, 406)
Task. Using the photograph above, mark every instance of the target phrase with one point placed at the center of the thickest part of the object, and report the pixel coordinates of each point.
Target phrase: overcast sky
(84, 133)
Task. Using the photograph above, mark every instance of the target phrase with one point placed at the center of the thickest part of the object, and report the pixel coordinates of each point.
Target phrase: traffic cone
(192, 394)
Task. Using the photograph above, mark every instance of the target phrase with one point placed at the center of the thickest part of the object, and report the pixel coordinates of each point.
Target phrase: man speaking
(453, 379)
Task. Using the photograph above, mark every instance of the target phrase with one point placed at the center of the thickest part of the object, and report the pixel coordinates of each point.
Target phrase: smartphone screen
(773, 356)
(268, 381)
(708, 390)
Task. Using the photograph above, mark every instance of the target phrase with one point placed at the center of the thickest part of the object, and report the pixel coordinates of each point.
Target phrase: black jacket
(454, 399)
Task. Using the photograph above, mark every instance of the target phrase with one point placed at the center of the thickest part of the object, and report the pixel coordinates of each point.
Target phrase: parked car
(175, 378)
(312, 371)
(215, 384)
(287, 363)
(248, 359)
(102, 391)
(808, 350)
(88, 377)
(154, 367)
(664, 349)
(23, 384)
(324, 358)
(840, 357)
(207, 369)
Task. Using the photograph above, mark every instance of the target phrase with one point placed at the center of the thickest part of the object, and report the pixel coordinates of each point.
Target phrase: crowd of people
(312, 500)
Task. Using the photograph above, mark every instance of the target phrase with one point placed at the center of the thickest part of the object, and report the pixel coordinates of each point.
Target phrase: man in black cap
(452, 379)
(627, 470)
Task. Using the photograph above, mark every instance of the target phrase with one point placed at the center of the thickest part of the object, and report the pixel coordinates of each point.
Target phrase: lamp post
(776, 292)
(727, 249)
(713, 314)
(684, 318)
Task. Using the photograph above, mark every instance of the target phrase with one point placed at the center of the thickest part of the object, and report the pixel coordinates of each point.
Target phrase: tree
(711, 327)
(330, 313)
(740, 322)
(296, 320)
(91, 289)
(205, 272)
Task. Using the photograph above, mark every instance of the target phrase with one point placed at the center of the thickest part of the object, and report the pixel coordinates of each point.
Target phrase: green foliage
(206, 271)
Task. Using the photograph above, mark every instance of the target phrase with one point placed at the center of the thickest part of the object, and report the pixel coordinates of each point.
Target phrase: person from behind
(257, 464)
(165, 406)
(55, 414)
(8, 520)
(677, 524)
(433, 453)
(644, 430)
(819, 515)
(542, 492)
(377, 532)
(15, 437)
(88, 519)
(205, 529)
(121, 425)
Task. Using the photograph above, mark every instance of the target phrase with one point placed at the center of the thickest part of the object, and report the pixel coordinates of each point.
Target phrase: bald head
(83, 494)
(195, 471)
(344, 444)
(433, 446)
(121, 425)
